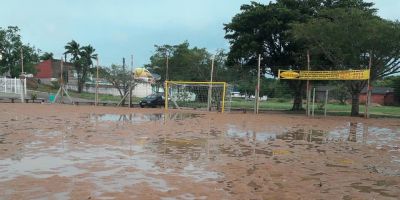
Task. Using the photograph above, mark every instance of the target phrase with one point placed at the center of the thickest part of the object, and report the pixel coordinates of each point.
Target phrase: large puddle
(133, 160)
(128, 160)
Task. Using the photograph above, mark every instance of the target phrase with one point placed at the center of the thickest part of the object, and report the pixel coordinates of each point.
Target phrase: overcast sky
(120, 28)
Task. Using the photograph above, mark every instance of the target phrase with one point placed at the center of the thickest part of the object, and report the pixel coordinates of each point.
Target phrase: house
(379, 95)
(50, 70)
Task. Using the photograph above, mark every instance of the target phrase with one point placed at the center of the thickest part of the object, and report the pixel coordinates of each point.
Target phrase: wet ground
(70, 152)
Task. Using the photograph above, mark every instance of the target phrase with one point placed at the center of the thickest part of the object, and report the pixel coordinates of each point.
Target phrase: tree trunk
(297, 102)
(355, 104)
(80, 85)
(355, 90)
(298, 89)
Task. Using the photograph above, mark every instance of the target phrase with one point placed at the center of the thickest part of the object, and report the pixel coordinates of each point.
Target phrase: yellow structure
(324, 75)
(143, 74)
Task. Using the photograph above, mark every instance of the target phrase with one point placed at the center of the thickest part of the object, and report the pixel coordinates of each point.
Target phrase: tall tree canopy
(349, 38)
(185, 63)
(82, 59)
(267, 30)
(46, 56)
(264, 29)
(10, 50)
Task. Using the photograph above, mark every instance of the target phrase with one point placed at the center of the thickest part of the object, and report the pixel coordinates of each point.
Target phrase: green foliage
(81, 57)
(55, 84)
(10, 50)
(34, 96)
(340, 93)
(338, 33)
(119, 77)
(46, 56)
(187, 64)
(265, 30)
(349, 38)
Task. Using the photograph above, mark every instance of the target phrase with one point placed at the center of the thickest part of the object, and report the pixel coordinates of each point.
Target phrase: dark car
(153, 100)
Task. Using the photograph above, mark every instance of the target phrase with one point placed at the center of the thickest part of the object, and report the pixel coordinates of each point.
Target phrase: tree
(120, 78)
(46, 56)
(10, 50)
(81, 57)
(85, 61)
(349, 38)
(266, 30)
(187, 64)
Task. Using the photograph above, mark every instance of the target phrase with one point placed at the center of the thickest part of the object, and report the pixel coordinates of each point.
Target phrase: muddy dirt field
(84, 152)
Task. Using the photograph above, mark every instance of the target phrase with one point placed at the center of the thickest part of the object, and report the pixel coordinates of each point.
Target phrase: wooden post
(313, 102)
(96, 101)
(130, 83)
(258, 84)
(209, 101)
(326, 101)
(22, 77)
(308, 86)
(166, 71)
(368, 95)
(22, 61)
(166, 96)
(62, 79)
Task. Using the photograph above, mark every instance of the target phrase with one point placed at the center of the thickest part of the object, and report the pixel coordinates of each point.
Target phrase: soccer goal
(211, 96)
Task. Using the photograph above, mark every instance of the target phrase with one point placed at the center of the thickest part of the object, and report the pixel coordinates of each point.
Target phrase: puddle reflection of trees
(140, 117)
(352, 132)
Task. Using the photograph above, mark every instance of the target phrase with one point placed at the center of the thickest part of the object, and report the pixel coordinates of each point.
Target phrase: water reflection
(352, 132)
(235, 132)
(137, 118)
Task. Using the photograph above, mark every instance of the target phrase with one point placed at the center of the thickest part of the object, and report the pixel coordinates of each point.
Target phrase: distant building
(50, 70)
(379, 95)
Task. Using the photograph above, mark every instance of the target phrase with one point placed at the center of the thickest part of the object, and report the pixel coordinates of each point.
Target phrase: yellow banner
(324, 75)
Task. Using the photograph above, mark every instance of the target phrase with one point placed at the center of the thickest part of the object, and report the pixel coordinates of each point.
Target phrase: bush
(33, 96)
(55, 84)
(281, 100)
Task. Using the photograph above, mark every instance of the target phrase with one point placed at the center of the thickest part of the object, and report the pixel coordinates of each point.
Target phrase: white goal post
(211, 96)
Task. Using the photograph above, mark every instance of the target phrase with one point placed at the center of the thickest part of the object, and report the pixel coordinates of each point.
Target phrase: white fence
(13, 85)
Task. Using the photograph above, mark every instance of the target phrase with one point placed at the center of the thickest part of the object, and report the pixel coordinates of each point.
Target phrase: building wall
(375, 98)
(44, 69)
(390, 99)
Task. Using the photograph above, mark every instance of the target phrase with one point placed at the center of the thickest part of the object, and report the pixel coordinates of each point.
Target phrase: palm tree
(86, 56)
(87, 53)
(73, 49)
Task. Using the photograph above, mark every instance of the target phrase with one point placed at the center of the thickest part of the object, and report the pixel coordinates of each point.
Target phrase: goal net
(211, 96)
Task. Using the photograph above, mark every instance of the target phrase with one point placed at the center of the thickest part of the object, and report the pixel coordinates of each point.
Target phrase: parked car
(153, 100)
